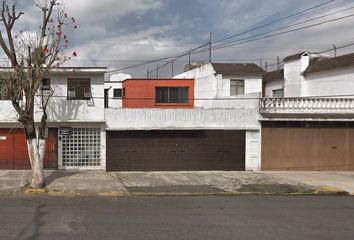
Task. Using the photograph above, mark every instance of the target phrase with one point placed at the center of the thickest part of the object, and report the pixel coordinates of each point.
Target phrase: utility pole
(266, 66)
(210, 45)
(278, 62)
(189, 59)
(172, 68)
(335, 50)
(157, 72)
(147, 73)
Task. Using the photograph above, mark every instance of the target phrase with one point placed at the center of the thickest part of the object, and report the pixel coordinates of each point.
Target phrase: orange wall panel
(140, 93)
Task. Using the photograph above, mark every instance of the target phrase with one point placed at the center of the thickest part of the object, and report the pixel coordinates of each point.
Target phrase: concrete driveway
(255, 182)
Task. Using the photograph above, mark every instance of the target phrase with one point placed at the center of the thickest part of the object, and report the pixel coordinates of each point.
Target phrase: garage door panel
(176, 150)
(333, 149)
(312, 148)
(350, 158)
(6, 148)
(14, 153)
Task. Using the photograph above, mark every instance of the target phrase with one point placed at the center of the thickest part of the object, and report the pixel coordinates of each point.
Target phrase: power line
(249, 40)
(278, 34)
(275, 21)
(184, 54)
(157, 60)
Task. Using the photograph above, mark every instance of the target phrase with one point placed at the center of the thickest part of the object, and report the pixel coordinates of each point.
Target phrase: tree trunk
(36, 151)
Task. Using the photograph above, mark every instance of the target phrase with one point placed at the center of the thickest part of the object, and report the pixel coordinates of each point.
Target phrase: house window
(79, 89)
(237, 87)
(117, 93)
(3, 95)
(171, 95)
(278, 93)
(46, 84)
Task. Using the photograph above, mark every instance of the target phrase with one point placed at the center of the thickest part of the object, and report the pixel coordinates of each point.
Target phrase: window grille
(82, 148)
(172, 95)
(79, 89)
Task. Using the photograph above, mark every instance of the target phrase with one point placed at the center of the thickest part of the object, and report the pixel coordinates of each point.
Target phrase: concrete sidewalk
(180, 183)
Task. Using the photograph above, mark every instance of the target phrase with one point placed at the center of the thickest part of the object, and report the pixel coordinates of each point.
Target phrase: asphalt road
(246, 217)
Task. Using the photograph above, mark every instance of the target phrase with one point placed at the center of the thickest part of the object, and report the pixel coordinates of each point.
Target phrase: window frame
(172, 98)
(75, 90)
(278, 90)
(237, 83)
(46, 84)
(121, 95)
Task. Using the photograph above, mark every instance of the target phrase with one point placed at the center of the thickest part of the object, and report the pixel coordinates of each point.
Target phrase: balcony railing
(310, 106)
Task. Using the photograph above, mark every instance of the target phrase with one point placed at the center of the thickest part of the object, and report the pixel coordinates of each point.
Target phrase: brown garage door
(13, 150)
(312, 146)
(175, 150)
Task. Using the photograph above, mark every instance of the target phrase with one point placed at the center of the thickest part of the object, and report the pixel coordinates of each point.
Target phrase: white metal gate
(82, 148)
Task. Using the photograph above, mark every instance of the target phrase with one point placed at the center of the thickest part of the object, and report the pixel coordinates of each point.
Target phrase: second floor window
(79, 89)
(278, 93)
(172, 95)
(237, 87)
(46, 84)
(118, 93)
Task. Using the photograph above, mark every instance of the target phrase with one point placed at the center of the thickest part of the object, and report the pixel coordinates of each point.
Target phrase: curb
(331, 191)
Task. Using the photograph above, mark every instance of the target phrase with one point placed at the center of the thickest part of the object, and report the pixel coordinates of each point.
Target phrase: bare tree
(32, 55)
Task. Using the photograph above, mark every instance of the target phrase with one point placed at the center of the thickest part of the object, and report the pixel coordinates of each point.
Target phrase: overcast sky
(119, 33)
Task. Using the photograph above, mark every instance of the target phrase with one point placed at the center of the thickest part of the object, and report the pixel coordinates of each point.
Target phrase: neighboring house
(217, 84)
(312, 127)
(76, 121)
(312, 75)
(273, 84)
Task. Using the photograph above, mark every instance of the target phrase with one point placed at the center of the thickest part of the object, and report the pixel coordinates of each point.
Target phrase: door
(175, 150)
(106, 98)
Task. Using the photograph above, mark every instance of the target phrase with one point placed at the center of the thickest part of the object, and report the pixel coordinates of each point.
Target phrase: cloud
(119, 33)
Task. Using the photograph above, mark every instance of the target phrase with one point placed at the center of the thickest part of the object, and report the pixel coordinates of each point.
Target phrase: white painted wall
(252, 85)
(210, 86)
(113, 102)
(253, 151)
(292, 78)
(182, 119)
(274, 85)
(7, 112)
(333, 82)
(60, 109)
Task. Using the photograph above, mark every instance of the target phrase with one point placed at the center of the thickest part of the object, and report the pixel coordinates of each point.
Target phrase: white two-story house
(76, 122)
(307, 114)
